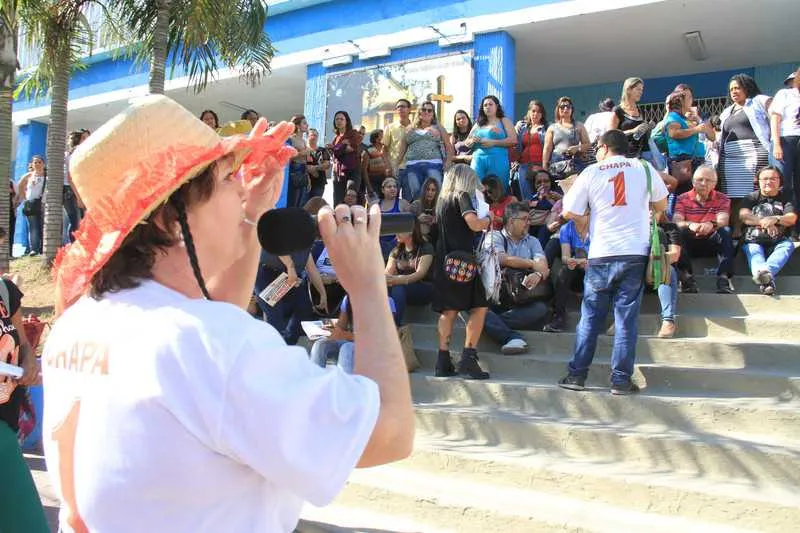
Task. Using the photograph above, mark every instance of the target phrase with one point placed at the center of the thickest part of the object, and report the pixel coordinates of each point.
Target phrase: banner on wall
(369, 95)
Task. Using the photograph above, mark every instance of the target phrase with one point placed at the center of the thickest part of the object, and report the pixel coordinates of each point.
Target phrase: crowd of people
(490, 183)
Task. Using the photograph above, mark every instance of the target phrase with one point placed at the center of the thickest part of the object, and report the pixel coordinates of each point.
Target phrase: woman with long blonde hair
(627, 118)
(454, 291)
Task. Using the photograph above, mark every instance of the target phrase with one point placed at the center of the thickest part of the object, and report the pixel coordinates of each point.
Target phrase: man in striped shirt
(702, 215)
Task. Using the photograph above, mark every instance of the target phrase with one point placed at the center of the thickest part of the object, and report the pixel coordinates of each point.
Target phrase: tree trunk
(8, 67)
(158, 61)
(56, 150)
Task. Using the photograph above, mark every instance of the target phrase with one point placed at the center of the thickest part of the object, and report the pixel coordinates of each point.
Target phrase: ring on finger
(346, 218)
(359, 220)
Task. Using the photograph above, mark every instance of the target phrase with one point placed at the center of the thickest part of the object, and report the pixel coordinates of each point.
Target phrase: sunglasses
(426, 110)
(565, 106)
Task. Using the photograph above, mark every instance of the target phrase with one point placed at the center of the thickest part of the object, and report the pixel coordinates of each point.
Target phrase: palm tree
(9, 28)
(59, 28)
(200, 37)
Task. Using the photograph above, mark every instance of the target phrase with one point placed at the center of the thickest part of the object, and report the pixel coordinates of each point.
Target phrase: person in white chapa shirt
(619, 192)
(168, 408)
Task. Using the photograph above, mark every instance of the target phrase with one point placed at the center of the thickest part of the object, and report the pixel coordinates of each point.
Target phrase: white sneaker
(514, 347)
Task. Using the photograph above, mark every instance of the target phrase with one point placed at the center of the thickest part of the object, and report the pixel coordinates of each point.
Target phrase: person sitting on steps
(574, 237)
(769, 215)
(702, 216)
(519, 250)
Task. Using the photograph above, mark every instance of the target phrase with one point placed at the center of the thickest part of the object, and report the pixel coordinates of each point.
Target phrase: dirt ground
(36, 285)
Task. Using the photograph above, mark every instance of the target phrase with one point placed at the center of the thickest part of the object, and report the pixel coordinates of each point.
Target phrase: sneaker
(689, 285)
(572, 382)
(768, 289)
(555, 326)
(514, 347)
(763, 278)
(625, 389)
(724, 285)
(444, 365)
(667, 330)
(468, 365)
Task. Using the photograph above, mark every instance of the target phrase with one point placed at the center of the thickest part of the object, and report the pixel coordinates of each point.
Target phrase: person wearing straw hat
(168, 408)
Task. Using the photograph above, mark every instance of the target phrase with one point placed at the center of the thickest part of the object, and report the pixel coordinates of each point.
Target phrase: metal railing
(708, 107)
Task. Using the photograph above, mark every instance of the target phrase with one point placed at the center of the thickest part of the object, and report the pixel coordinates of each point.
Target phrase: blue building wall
(495, 71)
(31, 141)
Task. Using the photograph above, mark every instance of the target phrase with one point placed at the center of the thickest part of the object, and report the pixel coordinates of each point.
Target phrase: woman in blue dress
(491, 137)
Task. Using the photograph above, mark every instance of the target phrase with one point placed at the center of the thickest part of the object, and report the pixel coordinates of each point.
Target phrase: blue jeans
(610, 281)
(790, 166)
(668, 296)
(415, 176)
(290, 310)
(500, 324)
(323, 349)
(35, 233)
(419, 293)
(73, 212)
(777, 256)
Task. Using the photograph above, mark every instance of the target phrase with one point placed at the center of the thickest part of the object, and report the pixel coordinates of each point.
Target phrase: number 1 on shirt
(619, 189)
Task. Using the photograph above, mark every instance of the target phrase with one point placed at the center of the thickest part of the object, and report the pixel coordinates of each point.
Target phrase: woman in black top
(627, 118)
(318, 164)
(409, 271)
(20, 508)
(458, 224)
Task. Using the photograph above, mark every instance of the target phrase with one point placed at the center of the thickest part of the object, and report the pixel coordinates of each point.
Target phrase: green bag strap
(655, 239)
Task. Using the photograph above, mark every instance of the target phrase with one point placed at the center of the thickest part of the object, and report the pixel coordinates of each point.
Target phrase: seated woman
(768, 215)
(295, 306)
(541, 203)
(408, 271)
(424, 208)
(391, 203)
(498, 199)
(340, 343)
(333, 293)
(574, 239)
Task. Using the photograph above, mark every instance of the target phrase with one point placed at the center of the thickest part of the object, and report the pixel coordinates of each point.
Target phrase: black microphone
(291, 229)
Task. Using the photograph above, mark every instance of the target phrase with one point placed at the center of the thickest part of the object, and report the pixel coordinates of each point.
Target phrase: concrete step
(719, 304)
(683, 379)
(650, 446)
(743, 502)
(700, 265)
(743, 284)
(734, 352)
(458, 501)
(719, 414)
(778, 327)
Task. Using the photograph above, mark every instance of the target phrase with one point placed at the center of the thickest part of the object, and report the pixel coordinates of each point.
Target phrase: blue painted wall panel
(495, 58)
(314, 109)
(31, 141)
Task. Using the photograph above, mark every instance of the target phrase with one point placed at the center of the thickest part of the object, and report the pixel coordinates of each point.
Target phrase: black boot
(444, 365)
(468, 365)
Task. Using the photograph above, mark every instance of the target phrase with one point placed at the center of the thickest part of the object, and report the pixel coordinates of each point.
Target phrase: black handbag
(514, 294)
(32, 208)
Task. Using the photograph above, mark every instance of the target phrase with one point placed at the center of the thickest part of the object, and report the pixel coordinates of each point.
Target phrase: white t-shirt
(193, 417)
(615, 190)
(786, 104)
(597, 124)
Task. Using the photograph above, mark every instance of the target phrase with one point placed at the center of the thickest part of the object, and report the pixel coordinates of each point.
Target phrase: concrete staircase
(711, 445)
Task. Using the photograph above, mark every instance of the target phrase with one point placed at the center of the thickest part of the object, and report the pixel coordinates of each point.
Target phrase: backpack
(659, 136)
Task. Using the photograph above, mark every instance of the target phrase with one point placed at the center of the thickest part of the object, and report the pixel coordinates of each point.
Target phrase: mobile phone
(327, 323)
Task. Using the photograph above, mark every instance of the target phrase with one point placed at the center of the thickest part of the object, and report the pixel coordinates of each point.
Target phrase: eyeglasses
(426, 110)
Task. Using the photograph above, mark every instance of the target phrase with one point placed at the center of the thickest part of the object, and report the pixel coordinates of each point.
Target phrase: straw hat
(130, 166)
